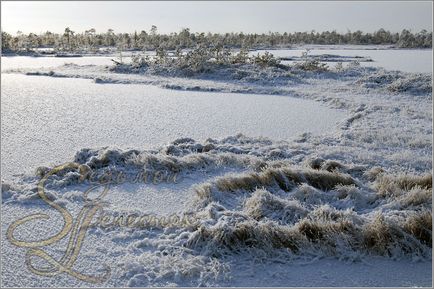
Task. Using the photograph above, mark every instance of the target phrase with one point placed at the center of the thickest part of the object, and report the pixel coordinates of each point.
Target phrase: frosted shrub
(266, 59)
(202, 59)
(241, 57)
(222, 55)
(138, 61)
(161, 55)
(195, 61)
(339, 67)
(311, 65)
(354, 64)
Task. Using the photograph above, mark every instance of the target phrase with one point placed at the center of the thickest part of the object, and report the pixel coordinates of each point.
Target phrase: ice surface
(408, 60)
(45, 119)
(36, 62)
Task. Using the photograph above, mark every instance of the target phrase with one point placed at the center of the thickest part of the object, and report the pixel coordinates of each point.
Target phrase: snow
(368, 130)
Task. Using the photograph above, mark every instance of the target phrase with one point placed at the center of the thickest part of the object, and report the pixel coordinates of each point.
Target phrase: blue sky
(234, 16)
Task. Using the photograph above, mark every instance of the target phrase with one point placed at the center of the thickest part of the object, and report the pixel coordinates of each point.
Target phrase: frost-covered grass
(276, 208)
(272, 207)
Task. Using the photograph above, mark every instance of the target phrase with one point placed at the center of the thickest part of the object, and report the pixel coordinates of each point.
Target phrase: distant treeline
(90, 40)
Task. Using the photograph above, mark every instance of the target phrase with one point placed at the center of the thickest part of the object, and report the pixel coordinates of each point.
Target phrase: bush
(241, 57)
(311, 64)
(199, 60)
(139, 61)
(267, 59)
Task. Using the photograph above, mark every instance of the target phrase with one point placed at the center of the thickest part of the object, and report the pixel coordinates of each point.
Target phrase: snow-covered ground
(328, 183)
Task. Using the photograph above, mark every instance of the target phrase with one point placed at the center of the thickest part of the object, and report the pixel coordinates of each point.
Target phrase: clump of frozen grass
(284, 178)
(181, 156)
(419, 225)
(398, 82)
(9, 191)
(315, 163)
(417, 196)
(176, 156)
(332, 166)
(373, 173)
(325, 229)
(377, 235)
(387, 185)
(240, 234)
(308, 195)
(353, 196)
(262, 204)
(387, 237)
(174, 267)
(419, 83)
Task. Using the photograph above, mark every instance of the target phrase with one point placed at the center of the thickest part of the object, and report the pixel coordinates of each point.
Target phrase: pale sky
(219, 16)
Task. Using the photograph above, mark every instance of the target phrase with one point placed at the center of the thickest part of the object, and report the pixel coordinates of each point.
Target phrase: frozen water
(45, 120)
(13, 62)
(408, 60)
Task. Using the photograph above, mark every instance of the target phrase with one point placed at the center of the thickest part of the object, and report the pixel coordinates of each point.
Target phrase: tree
(110, 38)
(406, 39)
(90, 40)
(90, 37)
(6, 41)
(153, 30)
(68, 34)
